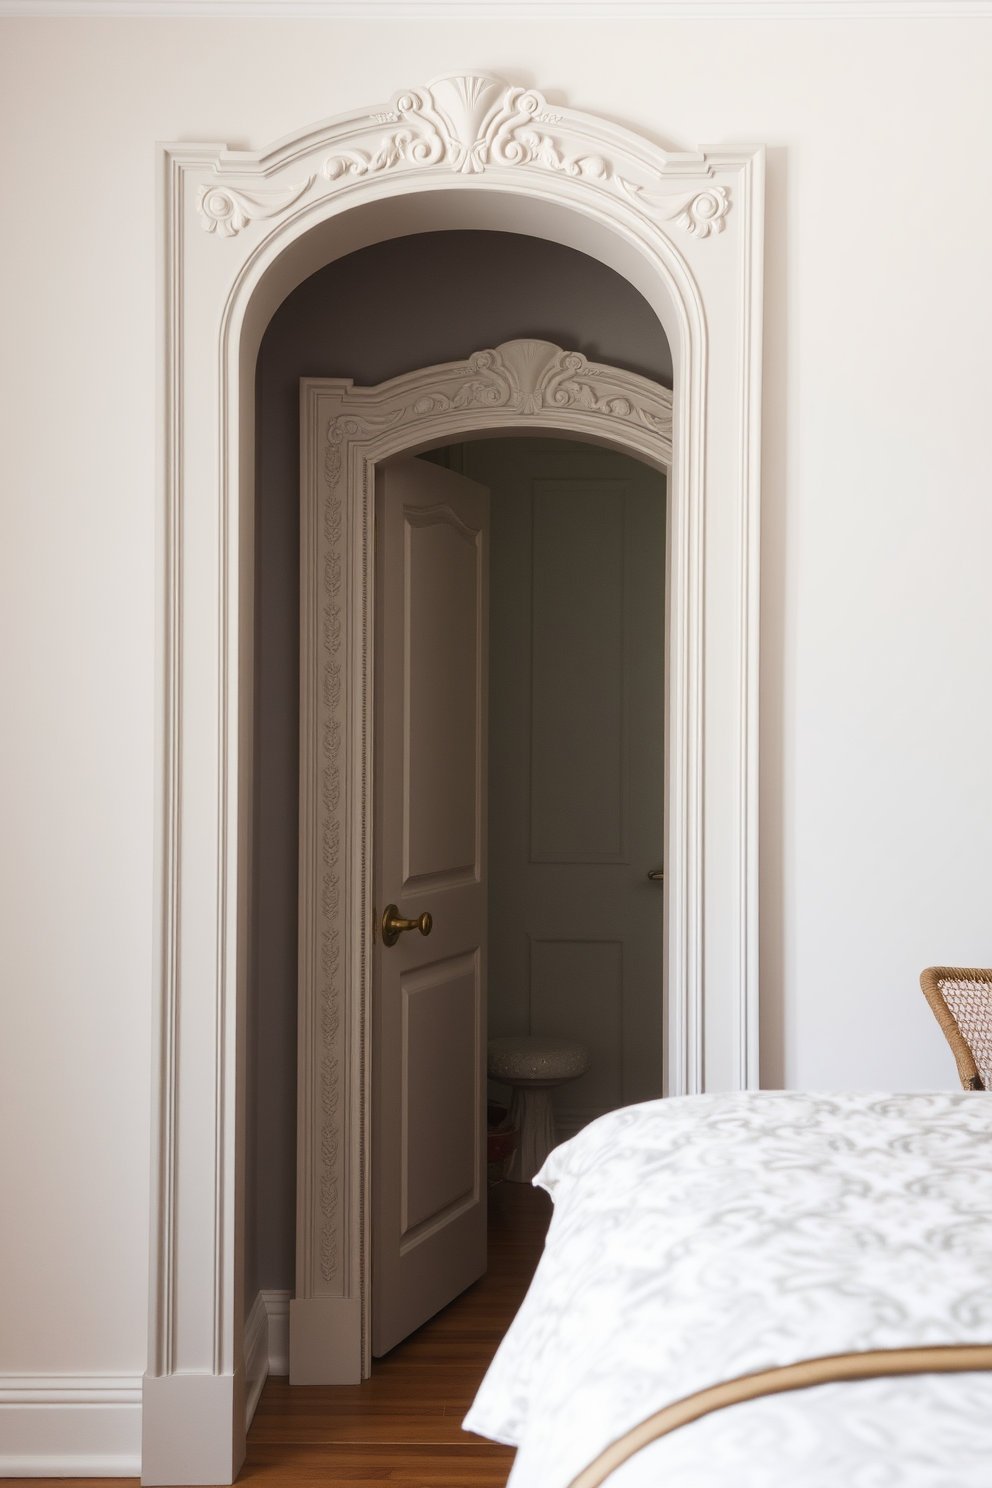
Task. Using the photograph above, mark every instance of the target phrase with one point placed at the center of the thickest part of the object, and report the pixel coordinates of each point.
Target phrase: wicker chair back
(961, 998)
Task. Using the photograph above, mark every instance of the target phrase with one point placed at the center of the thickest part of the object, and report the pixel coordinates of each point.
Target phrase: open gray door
(429, 1004)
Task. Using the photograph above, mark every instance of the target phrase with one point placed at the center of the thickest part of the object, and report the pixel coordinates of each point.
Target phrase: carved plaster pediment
(471, 123)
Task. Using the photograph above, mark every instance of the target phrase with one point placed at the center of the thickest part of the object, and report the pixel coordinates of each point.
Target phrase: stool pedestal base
(532, 1113)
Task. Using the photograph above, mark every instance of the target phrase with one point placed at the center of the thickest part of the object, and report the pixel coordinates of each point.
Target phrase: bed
(705, 1241)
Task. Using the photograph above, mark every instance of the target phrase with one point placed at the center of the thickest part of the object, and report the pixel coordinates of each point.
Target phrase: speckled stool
(533, 1067)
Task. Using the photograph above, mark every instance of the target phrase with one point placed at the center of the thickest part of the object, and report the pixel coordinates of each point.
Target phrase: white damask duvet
(698, 1239)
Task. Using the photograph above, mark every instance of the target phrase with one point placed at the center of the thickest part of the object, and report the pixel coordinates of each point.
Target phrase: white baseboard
(256, 1355)
(84, 1465)
(70, 1426)
(277, 1310)
(266, 1344)
(89, 1426)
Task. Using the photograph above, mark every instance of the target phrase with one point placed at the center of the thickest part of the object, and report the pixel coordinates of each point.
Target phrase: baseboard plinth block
(325, 1341)
(192, 1429)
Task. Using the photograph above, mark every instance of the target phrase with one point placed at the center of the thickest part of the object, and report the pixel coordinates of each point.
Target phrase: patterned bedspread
(698, 1239)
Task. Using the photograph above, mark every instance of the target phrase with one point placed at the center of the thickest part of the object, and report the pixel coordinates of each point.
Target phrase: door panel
(441, 679)
(441, 1096)
(577, 681)
(576, 989)
(429, 1004)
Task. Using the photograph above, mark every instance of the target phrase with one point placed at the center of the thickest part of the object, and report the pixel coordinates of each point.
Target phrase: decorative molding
(470, 122)
(70, 1389)
(507, 10)
(332, 829)
(467, 122)
(226, 209)
(520, 379)
(70, 1426)
(700, 214)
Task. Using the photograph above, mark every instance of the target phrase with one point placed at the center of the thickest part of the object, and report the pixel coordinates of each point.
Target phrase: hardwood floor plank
(416, 1466)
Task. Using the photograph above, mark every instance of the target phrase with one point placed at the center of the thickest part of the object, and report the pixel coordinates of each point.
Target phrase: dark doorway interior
(405, 303)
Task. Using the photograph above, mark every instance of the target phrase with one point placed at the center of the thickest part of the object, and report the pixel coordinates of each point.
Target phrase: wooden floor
(404, 1424)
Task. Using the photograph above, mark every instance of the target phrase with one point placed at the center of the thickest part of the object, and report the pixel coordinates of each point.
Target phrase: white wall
(877, 530)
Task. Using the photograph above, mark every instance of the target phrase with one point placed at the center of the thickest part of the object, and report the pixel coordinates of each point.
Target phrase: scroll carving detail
(698, 213)
(226, 210)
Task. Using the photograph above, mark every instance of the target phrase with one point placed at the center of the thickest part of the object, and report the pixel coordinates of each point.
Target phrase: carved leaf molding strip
(525, 377)
(330, 984)
(469, 123)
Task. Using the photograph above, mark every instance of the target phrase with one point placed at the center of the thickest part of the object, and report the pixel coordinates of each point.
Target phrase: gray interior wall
(388, 309)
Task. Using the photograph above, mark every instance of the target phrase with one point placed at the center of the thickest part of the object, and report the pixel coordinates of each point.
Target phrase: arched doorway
(241, 230)
(521, 387)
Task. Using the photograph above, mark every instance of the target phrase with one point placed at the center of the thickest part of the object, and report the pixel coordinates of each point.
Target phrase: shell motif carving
(465, 122)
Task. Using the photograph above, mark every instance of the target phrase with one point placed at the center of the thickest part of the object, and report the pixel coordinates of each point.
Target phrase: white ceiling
(509, 9)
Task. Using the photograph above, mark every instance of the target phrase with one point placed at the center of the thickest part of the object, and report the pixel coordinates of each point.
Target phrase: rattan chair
(961, 998)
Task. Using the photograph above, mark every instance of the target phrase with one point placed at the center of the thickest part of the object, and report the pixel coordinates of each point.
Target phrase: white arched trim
(238, 231)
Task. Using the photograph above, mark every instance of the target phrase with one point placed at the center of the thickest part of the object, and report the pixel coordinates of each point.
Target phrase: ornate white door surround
(238, 232)
(520, 387)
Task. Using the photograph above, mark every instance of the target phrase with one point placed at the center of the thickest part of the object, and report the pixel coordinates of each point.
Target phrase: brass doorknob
(393, 926)
(656, 875)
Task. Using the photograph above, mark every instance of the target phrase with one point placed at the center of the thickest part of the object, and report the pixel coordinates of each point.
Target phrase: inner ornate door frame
(238, 231)
(519, 387)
